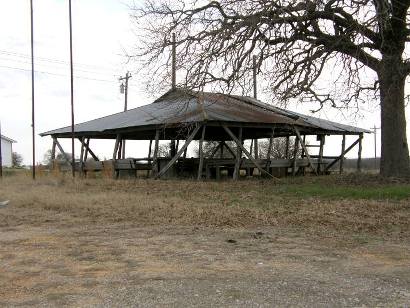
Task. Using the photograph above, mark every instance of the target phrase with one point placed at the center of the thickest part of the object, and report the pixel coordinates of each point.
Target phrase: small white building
(6, 151)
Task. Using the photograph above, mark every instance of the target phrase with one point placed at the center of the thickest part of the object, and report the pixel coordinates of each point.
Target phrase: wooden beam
(341, 155)
(201, 154)
(330, 165)
(155, 157)
(295, 155)
(269, 153)
(116, 152)
(256, 149)
(150, 149)
(238, 157)
(53, 154)
(302, 142)
(303, 147)
(222, 149)
(287, 148)
(239, 144)
(119, 156)
(320, 160)
(215, 150)
(82, 156)
(117, 142)
(229, 149)
(180, 152)
(359, 154)
(62, 152)
(53, 150)
(87, 146)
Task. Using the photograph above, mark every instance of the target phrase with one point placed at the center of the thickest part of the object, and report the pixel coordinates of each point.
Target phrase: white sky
(102, 30)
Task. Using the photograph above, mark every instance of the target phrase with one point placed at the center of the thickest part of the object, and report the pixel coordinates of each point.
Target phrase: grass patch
(396, 192)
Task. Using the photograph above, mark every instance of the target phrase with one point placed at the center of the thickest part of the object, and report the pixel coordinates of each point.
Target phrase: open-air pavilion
(183, 116)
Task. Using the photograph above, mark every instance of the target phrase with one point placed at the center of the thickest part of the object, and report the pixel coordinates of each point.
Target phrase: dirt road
(123, 265)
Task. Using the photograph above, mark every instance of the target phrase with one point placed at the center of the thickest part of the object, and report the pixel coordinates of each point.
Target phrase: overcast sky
(102, 32)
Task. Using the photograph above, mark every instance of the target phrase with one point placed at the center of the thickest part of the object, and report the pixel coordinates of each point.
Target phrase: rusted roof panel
(187, 107)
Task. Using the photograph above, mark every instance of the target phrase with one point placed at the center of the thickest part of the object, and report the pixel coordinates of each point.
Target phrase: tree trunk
(394, 149)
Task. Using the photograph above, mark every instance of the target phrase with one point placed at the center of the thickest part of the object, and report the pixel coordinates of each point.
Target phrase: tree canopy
(299, 44)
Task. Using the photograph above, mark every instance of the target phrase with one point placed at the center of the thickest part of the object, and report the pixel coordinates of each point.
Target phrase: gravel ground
(121, 265)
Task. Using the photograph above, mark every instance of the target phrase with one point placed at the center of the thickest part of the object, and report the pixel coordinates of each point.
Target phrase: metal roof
(180, 106)
(8, 139)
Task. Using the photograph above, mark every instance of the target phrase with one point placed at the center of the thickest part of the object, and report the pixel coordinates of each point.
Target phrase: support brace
(239, 144)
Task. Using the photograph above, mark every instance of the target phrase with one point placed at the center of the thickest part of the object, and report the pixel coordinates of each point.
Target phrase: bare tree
(358, 45)
(280, 148)
(17, 160)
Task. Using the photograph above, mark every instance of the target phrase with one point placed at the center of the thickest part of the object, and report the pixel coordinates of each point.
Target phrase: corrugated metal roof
(180, 106)
(317, 122)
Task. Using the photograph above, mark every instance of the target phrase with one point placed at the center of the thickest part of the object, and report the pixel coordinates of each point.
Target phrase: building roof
(183, 107)
(7, 139)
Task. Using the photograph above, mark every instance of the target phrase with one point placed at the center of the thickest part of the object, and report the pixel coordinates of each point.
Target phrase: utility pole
(33, 130)
(375, 145)
(72, 91)
(255, 95)
(124, 90)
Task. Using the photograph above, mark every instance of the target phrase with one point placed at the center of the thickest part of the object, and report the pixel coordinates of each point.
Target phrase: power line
(54, 74)
(55, 67)
(52, 60)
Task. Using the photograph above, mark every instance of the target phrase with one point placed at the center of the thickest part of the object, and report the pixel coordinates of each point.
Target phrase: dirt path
(123, 265)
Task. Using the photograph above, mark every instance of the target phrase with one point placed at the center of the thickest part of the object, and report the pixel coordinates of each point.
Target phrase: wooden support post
(117, 152)
(215, 150)
(287, 148)
(119, 156)
(62, 152)
(304, 149)
(53, 154)
(150, 149)
(180, 152)
(229, 150)
(342, 155)
(295, 155)
(155, 157)
(172, 148)
(53, 149)
(201, 154)
(87, 147)
(320, 160)
(239, 144)
(268, 154)
(256, 149)
(238, 157)
(359, 154)
(82, 154)
(222, 143)
(251, 147)
(177, 146)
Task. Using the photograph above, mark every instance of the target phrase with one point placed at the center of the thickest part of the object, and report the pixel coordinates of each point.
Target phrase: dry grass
(248, 203)
(100, 242)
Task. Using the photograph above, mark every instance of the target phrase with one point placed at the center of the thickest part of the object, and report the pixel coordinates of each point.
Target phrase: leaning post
(155, 156)
(359, 154)
(201, 154)
(342, 156)
(238, 157)
(295, 155)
